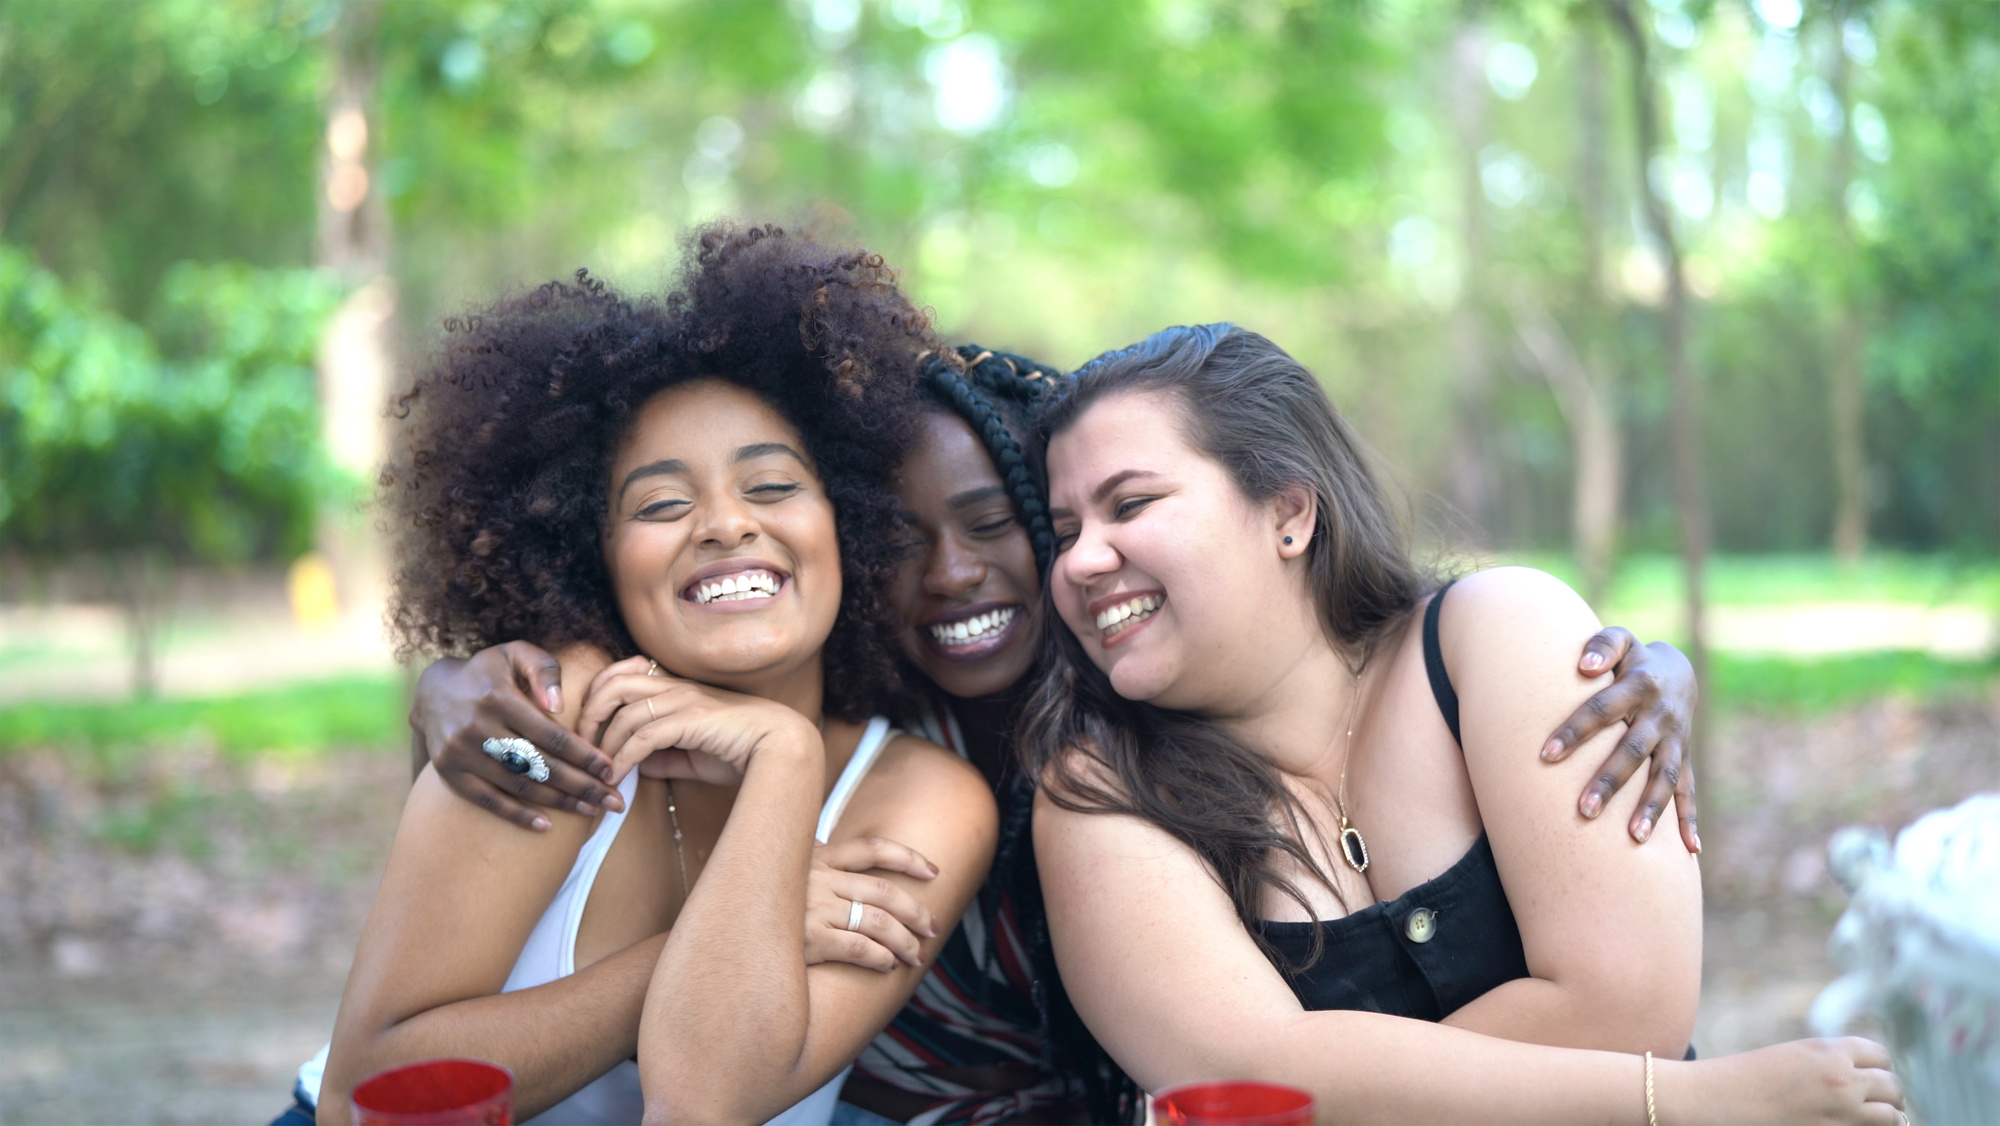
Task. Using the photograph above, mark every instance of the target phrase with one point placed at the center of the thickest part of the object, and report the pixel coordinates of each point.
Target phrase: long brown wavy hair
(1263, 417)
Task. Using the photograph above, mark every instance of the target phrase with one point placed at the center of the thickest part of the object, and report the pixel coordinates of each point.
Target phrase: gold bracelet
(1652, 1115)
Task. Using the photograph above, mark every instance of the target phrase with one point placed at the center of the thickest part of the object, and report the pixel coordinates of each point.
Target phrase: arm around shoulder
(1611, 929)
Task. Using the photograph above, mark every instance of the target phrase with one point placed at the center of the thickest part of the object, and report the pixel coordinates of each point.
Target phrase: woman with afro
(687, 503)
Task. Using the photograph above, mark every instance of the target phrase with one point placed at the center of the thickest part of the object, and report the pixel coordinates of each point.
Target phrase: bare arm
(461, 892)
(1611, 928)
(720, 1044)
(737, 1026)
(1166, 977)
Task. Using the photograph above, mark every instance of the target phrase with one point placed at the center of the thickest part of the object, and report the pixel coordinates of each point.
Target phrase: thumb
(538, 672)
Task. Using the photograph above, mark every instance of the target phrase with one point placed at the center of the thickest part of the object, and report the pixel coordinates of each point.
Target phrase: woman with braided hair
(989, 1035)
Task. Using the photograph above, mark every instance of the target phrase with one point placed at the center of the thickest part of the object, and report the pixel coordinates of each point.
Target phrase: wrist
(1677, 1091)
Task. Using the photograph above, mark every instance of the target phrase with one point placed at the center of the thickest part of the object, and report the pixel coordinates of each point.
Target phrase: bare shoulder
(915, 782)
(1511, 598)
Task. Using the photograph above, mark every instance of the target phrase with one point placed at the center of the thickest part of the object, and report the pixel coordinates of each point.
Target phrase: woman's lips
(735, 584)
(973, 634)
(1119, 616)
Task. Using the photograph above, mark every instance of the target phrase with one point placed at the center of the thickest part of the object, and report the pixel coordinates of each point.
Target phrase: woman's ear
(1296, 508)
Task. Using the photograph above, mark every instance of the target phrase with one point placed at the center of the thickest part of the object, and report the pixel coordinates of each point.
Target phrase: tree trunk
(355, 360)
(1587, 408)
(1685, 436)
(1849, 440)
(1471, 474)
(1599, 478)
(144, 580)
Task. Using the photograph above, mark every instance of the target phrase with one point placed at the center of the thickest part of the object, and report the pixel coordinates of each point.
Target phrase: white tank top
(550, 953)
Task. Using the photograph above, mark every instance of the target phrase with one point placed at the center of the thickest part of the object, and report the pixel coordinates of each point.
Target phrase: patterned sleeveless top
(976, 1007)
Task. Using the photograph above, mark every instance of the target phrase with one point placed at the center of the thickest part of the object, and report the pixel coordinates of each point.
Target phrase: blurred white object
(1921, 943)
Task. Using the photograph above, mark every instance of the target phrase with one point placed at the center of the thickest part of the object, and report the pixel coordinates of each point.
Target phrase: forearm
(1537, 1011)
(726, 1014)
(1367, 1067)
(555, 1038)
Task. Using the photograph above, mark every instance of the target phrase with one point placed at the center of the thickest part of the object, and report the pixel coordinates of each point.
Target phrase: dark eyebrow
(1117, 479)
(1104, 490)
(657, 469)
(766, 449)
(973, 496)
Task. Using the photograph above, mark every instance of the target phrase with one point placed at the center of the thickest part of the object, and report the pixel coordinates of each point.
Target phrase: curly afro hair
(498, 494)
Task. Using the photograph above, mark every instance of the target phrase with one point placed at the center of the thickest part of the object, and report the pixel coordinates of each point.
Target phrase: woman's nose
(729, 523)
(953, 569)
(1089, 557)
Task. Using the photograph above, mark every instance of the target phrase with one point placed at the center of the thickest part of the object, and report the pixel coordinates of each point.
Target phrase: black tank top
(1428, 951)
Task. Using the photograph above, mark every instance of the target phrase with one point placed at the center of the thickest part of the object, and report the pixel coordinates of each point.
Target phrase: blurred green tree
(196, 443)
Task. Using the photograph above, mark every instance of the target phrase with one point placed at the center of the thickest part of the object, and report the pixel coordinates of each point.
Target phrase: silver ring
(519, 756)
(854, 910)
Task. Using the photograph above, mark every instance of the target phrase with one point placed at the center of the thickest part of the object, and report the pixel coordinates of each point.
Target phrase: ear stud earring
(1288, 539)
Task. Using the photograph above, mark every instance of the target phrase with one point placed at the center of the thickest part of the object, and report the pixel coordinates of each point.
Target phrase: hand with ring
(477, 720)
(856, 916)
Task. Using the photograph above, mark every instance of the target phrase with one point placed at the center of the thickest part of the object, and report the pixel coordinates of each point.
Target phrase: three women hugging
(923, 735)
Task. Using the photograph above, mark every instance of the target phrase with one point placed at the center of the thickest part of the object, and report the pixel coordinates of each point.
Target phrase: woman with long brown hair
(1289, 823)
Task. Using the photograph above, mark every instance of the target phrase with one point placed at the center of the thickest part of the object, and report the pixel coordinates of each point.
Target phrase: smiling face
(966, 589)
(1179, 586)
(721, 542)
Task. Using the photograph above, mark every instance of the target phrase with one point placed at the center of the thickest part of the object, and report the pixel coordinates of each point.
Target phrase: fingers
(1660, 786)
(1617, 768)
(486, 796)
(1684, 804)
(552, 739)
(1605, 649)
(1865, 1053)
(597, 706)
(1611, 705)
(1880, 1085)
(825, 943)
(865, 853)
(537, 671)
(608, 694)
(881, 895)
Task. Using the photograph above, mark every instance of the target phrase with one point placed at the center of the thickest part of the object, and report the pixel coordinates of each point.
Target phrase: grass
(346, 712)
(1650, 581)
(1808, 687)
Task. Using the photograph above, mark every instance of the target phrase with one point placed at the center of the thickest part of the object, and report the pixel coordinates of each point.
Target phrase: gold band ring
(652, 667)
(649, 708)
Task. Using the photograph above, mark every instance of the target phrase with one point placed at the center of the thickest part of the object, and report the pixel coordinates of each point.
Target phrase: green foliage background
(1289, 165)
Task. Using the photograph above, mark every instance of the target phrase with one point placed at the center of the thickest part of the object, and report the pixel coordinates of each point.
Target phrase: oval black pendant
(1354, 849)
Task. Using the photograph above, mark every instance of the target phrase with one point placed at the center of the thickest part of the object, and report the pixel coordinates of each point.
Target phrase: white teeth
(1128, 613)
(738, 587)
(979, 627)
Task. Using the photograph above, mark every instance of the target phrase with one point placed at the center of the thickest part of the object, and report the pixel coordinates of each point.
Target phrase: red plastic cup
(1233, 1103)
(436, 1093)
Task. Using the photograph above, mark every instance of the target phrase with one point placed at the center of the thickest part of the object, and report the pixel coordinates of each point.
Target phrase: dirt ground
(174, 932)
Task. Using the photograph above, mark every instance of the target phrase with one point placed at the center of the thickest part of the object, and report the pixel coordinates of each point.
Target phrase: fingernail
(1697, 842)
(540, 824)
(604, 772)
(1592, 661)
(555, 700)
(934, 869)
(587, 809)
(614, 802)
(1551, 749)
(1645, 829)
(1592, 805)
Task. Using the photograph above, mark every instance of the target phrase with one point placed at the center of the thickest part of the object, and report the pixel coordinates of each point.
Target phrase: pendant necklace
(1353, 849)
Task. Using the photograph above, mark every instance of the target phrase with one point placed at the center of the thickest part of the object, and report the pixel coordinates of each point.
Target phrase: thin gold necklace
(1353, 848)
(674, 818)
(673, 809)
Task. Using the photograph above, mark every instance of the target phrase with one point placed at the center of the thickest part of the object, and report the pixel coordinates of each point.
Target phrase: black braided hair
(1000, 395)
(995, 393)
